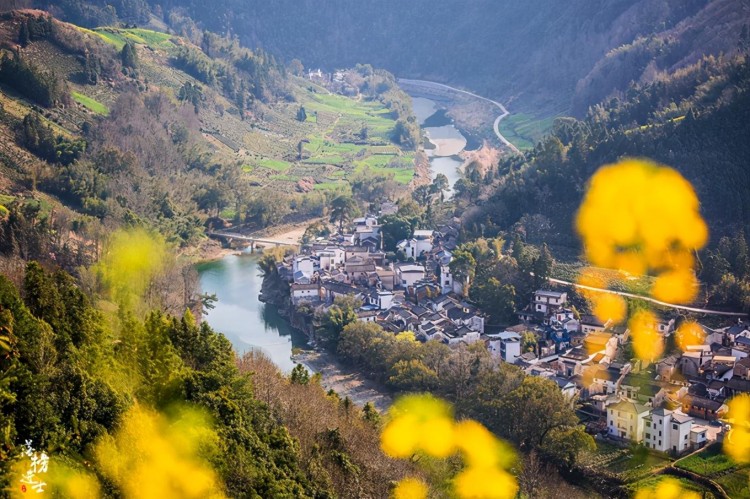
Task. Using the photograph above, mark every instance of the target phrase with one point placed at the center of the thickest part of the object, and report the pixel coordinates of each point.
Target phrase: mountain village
(673, 405)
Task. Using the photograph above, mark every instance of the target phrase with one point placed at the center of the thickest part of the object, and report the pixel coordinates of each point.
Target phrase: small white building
(381, 299)
(408, 247)
(424, 240)
(547, 302)
(305, 265)
(330, 257)
(304, 293)
(504, 346)
(409, 274)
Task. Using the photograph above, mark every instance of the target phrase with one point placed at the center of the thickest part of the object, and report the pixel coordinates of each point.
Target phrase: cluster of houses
(418, 294)
(672, 405)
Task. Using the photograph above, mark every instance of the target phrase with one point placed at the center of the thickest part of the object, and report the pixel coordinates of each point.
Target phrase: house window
(674, 426)
(648, 424)
(660, 435)
(659, 443)
(685, 437)
(648, 435)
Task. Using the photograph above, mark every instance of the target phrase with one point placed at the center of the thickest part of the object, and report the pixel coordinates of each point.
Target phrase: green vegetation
(90, 103)
(735, 484)
(525, 130)
(653, 480)
(118, 37)
(275, 164)
(709, 461)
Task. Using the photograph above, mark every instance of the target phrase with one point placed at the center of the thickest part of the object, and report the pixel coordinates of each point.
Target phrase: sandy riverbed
(344, 381)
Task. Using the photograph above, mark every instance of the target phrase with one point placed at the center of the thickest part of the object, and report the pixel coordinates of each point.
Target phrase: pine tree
(129, 56)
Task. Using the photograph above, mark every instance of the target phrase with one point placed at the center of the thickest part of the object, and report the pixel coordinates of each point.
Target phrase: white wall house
(304, 293)
(330, 257)
(446, 279)
(408, 247)
(408, 275)
(549, 301)
(305, 265)
(424, 241)
(505, 346)
(626, 420)
(667, 431)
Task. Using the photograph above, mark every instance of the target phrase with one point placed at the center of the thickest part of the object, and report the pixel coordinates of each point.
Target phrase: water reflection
(240, 316)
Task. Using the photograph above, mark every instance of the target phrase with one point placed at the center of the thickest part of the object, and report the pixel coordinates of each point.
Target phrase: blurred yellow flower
(675, 286)
(149, 457)
(438, 438)
(668, 488)
(638, 216)
(689, 334)
(485, 483)
(607, 306)
(480, 447)
(410, 488)
(647, 342)
(422, 423)
(737, 442)
(401, 436)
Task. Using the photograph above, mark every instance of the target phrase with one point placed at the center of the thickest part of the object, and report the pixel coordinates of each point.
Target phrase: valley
(394, 249)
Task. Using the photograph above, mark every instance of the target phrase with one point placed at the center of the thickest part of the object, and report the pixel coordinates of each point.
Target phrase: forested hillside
(544, 53)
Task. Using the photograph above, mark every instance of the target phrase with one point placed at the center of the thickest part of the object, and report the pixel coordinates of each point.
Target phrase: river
(446, 139)
(235, 279)
(240, 316)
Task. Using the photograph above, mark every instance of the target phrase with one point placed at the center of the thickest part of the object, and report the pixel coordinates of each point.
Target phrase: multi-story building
(667, 431)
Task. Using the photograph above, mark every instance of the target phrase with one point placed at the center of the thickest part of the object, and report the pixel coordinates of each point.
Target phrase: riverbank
(344, 381)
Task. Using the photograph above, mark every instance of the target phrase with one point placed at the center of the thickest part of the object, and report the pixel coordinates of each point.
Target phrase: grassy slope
(269, 145)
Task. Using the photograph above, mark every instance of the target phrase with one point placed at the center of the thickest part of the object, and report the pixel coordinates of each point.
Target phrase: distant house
(331, 289)
(626, 420)
(301, 293)
(667, 431)
(304, 266)
(547, 302)
(409, 274)
(504, 346)
(742, 368)
(601, 342)
(590, 324)
(704, 408)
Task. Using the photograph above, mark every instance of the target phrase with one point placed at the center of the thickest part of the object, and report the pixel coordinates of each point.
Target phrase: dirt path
(346, 382)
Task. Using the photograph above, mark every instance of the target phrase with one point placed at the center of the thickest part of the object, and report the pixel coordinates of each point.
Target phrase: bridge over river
(253, 241)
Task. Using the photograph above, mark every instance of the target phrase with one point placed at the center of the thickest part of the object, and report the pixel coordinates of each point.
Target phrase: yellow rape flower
(400, 436)
(669, 488)
(689, 334)
(607, 306)
(480, 447)
(737, 442)
(485, 483)
(675, 286)
(418, 423)
(410, 488)
(647, 342)
(638, 216)
(422, 423)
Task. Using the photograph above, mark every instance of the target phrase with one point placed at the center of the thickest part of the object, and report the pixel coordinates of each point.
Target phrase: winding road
(649, 299)
(496, 126)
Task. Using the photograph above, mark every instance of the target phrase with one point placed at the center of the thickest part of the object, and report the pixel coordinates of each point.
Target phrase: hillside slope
(539, 53)
(137, 126)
